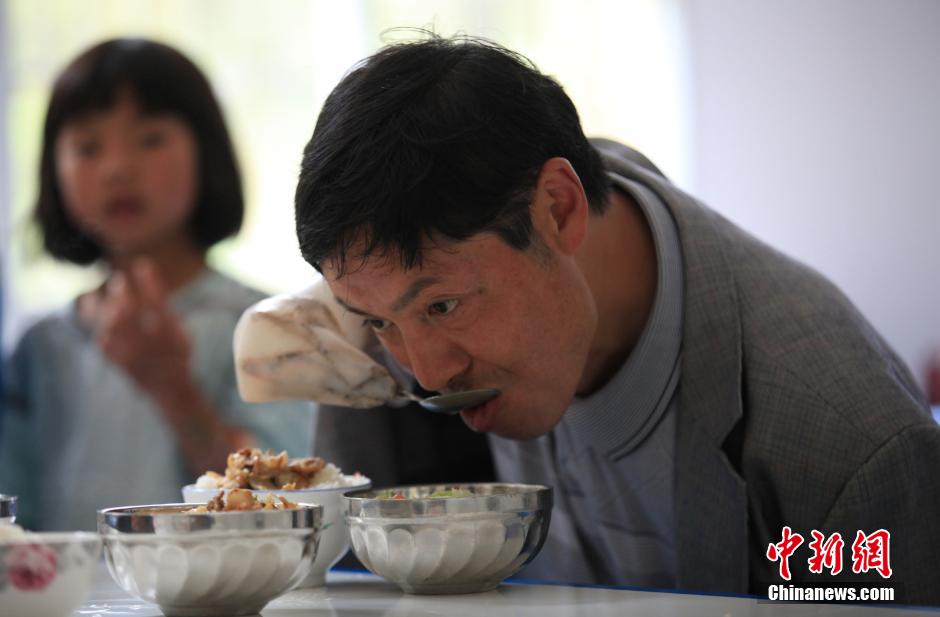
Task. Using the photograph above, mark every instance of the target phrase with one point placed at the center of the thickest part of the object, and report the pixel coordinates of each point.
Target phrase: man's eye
(376, 324)
(443, 307)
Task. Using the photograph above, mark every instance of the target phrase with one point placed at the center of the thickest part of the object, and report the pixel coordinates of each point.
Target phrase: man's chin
(480, 421)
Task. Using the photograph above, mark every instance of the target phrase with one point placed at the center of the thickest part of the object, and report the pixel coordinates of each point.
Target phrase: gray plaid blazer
(792, 411)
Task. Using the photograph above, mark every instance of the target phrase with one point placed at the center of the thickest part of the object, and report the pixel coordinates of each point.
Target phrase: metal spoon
(455, 401)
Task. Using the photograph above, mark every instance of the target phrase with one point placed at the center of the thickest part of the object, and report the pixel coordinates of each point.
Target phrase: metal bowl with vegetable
(449, 538)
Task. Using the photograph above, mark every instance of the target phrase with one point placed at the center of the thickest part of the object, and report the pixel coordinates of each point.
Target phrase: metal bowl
(461, 544)
(7, 508)
(213, 563)
(334, 541)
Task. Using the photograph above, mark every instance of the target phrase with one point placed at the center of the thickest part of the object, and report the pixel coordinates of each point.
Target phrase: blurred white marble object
(305, 346)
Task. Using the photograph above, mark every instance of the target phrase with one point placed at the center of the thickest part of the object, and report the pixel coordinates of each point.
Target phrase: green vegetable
(452, 492)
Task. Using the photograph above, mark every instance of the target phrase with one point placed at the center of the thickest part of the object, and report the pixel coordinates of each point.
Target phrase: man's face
(480, 314)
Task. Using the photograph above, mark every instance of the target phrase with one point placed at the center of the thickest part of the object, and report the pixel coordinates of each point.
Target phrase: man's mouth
(482, 417)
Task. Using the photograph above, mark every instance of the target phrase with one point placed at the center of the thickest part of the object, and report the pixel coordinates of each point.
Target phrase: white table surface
(350, 594)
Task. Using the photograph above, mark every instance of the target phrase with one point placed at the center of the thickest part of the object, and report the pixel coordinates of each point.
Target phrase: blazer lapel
(711, 497)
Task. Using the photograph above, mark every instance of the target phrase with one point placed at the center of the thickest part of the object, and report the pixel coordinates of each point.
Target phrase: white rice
(207, 481)
(330, 476)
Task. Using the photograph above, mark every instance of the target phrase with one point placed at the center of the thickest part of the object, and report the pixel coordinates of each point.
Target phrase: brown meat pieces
(252, 468)
(241, 500)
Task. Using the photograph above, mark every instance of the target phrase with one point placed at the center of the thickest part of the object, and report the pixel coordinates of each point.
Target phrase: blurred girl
(129, 392)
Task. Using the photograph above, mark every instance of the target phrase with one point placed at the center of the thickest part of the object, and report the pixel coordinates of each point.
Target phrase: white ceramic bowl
(213, 563)
(334, 540)
(47, 574)
(465, 544)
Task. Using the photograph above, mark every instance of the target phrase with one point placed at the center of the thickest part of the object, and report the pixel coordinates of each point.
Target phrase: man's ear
(560, 208)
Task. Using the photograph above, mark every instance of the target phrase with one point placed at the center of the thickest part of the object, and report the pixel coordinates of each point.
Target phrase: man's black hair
(438, 139)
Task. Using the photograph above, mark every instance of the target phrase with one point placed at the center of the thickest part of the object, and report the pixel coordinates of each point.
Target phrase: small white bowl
(208, 563)
(334, 539)
(47, 574)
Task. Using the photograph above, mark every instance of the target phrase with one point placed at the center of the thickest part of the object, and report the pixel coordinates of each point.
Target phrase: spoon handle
(404, 397)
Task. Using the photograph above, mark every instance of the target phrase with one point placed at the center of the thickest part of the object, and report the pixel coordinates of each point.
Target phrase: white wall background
(816, 126)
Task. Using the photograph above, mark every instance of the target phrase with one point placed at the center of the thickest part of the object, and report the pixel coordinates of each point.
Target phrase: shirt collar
(622, 413)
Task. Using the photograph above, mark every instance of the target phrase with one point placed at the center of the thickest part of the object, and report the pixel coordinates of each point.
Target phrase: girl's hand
(138, 331)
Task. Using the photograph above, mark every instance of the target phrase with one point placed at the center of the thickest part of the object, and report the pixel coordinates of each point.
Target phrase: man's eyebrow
(413, 290)
(406, 298)
(351, 309)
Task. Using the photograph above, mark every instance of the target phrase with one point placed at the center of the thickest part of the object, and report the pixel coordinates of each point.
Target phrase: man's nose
(434, 361)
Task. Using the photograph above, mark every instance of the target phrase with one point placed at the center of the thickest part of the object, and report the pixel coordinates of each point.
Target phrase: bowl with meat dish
(45, 574)
(228, 557)
(452, 538)
(308, 480)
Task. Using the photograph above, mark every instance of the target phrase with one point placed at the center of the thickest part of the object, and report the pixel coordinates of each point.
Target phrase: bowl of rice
(309, 480)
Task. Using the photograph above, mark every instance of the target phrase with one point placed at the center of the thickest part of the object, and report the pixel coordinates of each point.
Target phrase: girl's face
(128, 179)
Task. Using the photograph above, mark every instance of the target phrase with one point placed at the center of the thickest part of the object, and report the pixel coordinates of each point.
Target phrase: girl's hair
(161, 80)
